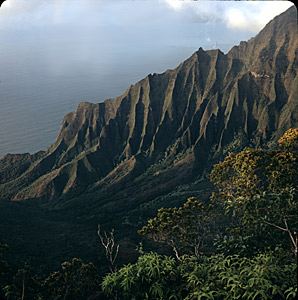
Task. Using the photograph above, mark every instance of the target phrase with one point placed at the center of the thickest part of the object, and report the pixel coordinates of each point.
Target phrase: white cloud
(174, 4)
(253, 15)
(239, 15)
(19, 14)
(13, 7)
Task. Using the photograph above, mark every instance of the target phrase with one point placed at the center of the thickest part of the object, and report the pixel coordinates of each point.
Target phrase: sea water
(44, 75)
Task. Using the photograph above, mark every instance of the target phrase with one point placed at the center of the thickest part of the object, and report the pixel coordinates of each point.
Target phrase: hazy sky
(79, 29)
(249, 15)
(104, 16)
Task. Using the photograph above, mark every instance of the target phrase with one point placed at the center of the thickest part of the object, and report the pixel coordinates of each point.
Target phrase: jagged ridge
(192, 112)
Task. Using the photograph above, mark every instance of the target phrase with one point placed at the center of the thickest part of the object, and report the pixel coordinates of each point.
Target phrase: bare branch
(294, 243)
(278, 227)
(108, 243)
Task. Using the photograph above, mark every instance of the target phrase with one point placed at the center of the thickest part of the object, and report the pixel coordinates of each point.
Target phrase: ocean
(46, 75)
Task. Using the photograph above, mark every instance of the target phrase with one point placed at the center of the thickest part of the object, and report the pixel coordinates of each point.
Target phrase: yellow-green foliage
(254, 171)
(260, 188)
(183, 228)
(290, 140)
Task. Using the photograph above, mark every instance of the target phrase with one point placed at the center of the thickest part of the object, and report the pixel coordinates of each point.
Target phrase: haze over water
(51, 61)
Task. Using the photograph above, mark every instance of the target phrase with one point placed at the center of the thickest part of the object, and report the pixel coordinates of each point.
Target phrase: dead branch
(112, 250)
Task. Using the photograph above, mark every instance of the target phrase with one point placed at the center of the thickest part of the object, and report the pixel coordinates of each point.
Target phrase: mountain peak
(190, 116)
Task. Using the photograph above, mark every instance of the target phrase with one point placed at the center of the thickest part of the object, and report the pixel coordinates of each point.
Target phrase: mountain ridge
(115, 163)
(194, 112)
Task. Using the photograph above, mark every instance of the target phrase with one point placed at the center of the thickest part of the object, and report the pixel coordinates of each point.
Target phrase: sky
(41, 13)
(164, 32)
(133, 25)
(95, 16)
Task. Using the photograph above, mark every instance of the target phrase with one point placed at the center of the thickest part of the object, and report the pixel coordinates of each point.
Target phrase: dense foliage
(266, 276)
(257, 188)
(186, 229)
(242, 246)
(75, 280)
(4, 268)
(260, 189)
(254, 171)
(152, 277)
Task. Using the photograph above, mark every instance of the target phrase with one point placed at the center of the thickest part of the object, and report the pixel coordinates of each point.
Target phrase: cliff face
(178, 121)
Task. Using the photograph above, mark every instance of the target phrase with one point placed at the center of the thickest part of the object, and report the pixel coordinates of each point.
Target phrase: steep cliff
(176, 123)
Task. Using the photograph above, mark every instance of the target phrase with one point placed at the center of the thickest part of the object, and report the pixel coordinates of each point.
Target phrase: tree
(186, 229)
(254, 171)
(25, 285)
(260, 188)
(76, 280)
(4, 270)
(257, 184)
(111, 249)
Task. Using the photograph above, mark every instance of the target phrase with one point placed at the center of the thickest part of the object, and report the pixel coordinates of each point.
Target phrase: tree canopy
(187, 229)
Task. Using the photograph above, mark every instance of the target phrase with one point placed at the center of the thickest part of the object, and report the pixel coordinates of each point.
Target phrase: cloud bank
(239, 15)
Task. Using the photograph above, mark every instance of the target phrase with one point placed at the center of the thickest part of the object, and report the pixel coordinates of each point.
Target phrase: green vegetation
(260, 189)
(240, 244)
(258, 196)
(186, 229)
(75, 280)
(4, 268)
(265, 276)
(117, 162)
